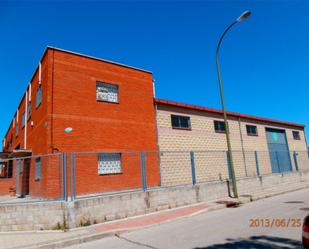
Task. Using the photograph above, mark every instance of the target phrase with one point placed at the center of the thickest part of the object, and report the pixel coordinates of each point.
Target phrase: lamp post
(243, 16)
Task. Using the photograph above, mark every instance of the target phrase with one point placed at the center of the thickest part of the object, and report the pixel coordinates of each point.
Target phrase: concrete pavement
(242, 227)
(183, 231)
(59, 239)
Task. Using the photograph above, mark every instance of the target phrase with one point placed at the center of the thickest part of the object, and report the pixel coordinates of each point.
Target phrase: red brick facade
(69, 100)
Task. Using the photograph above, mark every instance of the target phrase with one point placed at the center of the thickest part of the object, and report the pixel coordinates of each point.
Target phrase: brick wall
(102, 126)
(69, 100)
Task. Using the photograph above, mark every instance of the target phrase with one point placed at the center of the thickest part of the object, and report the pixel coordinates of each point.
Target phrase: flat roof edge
(233, 114)
(97, 58)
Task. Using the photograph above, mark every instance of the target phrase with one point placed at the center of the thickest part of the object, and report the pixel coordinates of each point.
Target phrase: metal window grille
(109, 163)
(296, 135)
(38, 98)
(180, 122)
(219, 126)
(38, 168)
(107, 92)
(251, 130)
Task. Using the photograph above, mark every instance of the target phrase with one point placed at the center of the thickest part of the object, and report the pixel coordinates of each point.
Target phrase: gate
(278, 150)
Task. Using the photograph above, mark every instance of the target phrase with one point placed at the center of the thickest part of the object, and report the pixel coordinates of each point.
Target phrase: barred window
(38, 98)
(219, 126)
(296, 135)
(180, 122)
(109, 163)
(251, 130)
(38, 168)
(107, 92)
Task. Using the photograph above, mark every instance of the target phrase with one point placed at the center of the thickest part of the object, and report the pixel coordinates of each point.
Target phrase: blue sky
(265, 60)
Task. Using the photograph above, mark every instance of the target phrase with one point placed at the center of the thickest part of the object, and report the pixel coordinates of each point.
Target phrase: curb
(100, 235)
(72, 241)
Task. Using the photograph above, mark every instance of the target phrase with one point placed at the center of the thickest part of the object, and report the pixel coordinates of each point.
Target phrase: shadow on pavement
(254, 242)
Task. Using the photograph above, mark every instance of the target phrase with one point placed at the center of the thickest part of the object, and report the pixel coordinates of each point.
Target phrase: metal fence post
(143, 170)
(257, 163)
(71, 177)
(193, 167)
(295, 160)
(74, 175)
(64, 176)
(228, 165)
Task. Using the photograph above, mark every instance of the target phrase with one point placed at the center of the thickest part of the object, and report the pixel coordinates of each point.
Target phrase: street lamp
(243, 16)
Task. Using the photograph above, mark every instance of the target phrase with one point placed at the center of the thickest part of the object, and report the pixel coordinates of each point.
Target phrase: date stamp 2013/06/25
(275, 223)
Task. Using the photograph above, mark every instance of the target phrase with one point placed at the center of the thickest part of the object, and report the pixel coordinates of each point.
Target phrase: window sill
(110, 102)
(221, 132)
(253, 135)
(183, 129)
(110, 174)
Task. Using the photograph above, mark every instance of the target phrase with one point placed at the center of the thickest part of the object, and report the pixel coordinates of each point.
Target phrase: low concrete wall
(51, 215)
(31, 216)
(272, 182)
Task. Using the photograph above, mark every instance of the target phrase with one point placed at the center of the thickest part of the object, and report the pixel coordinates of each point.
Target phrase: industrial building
(78, 103)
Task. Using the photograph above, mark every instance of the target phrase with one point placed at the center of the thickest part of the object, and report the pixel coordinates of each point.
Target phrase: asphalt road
(242, 227)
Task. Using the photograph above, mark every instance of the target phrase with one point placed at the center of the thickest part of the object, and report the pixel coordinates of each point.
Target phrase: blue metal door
(278, 150)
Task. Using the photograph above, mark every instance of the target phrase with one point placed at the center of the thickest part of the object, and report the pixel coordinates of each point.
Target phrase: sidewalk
(59, 239)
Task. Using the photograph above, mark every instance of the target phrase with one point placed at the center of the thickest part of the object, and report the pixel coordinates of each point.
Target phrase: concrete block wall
(202, 137)
(31, 216)
(273, 182)
(39, 216)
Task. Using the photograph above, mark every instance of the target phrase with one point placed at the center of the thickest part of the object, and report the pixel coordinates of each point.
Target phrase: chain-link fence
(106, 172)
(77, 175)
(33, 178)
